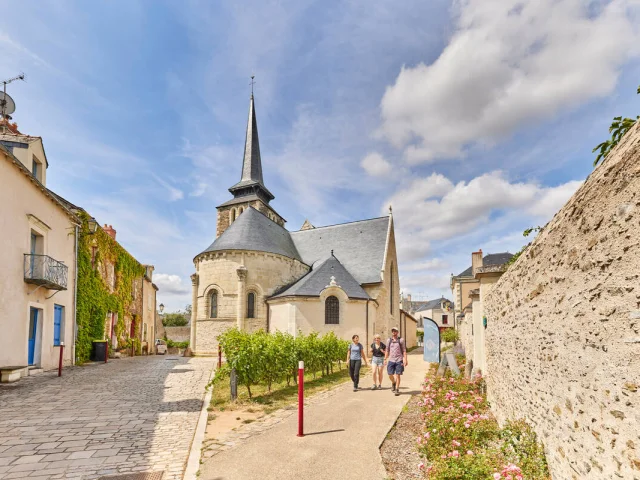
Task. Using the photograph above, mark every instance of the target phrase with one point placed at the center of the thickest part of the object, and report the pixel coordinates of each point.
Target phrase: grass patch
(281, 395)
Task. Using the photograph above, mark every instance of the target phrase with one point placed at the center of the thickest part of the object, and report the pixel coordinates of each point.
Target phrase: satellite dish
(7, 105)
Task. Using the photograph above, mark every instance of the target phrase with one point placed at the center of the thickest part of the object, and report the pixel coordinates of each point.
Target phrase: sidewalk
(342, 436)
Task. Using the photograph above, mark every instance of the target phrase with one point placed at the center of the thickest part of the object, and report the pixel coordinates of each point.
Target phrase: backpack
(402, 345)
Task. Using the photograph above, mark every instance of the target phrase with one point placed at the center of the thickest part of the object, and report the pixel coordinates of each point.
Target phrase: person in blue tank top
(355, 355)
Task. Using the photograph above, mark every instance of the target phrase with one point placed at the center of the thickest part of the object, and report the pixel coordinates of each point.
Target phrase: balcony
(45, 271)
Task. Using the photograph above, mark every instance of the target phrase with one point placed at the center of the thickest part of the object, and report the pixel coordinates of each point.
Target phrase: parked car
(161, 347)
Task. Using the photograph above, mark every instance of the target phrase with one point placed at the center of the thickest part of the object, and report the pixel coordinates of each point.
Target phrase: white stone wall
(563, 335)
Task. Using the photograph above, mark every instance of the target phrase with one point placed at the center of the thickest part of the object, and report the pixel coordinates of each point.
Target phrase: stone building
(258, 275)
(439, 310)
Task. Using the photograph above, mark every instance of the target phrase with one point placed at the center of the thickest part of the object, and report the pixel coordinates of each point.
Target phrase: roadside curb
(193, 462)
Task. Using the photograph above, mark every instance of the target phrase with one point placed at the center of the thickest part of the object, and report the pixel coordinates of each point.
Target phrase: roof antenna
(332, 255)
(252, 84)
(7, 104)
(390, 210)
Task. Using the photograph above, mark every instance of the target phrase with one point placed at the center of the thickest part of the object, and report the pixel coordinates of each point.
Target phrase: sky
(473, 119)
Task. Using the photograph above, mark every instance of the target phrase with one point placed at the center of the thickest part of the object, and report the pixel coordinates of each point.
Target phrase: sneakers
(374, 387)
(393, 387)
(397, 393)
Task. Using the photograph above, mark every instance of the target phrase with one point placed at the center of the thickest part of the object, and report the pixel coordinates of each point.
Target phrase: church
(258, 275)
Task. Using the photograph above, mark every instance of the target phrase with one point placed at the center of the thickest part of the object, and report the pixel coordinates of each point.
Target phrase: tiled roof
(360, 246)
(431, 304)
(254, 231)
(490, 259)
(314, 282)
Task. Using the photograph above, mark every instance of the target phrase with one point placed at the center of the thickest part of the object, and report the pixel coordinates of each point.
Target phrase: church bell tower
(250, 190)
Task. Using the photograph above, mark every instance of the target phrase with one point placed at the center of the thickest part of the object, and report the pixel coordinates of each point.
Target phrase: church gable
(319, 278)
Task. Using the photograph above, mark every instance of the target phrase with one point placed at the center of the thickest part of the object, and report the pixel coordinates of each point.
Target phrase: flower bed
(462, 440)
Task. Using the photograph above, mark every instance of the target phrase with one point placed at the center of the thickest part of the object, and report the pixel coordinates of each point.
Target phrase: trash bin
(99, 351)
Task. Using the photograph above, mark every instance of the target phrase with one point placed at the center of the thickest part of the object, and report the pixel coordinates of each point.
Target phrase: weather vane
(252, 83)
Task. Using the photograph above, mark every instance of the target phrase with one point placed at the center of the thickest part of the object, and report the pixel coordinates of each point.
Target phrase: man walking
(396, 358)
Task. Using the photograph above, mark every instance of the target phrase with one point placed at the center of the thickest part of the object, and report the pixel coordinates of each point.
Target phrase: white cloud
(434, 209)
(174, 193)
(376, 165)
(170, 284)
(508, 63)
(431, 264)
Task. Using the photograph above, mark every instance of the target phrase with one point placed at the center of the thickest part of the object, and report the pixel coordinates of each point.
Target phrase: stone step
(35, 371)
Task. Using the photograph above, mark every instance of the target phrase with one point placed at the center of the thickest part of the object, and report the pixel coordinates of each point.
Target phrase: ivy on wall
(95, 298)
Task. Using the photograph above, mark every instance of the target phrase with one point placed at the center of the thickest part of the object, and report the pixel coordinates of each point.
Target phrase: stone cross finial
(333, 283)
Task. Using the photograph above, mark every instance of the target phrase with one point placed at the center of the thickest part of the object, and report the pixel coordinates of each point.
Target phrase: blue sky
(474, 119)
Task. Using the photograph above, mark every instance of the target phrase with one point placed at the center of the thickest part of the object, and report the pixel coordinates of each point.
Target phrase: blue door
(431, 341)
(57, 324)
(33, 328)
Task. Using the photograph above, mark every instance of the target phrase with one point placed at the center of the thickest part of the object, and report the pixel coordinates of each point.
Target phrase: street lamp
(161, 307)
(93, 225)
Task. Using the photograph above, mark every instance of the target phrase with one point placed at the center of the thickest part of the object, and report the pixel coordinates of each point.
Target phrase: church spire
(251, 182)
(252, 164)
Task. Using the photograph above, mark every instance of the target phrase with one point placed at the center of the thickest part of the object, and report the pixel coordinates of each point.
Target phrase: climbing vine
(95, 297)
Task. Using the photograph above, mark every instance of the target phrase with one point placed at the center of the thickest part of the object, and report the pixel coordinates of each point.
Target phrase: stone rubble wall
(178, 334)
(563, 333)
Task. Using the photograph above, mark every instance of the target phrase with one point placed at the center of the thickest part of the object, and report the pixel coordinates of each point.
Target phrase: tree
(619, 127)
(176, 319)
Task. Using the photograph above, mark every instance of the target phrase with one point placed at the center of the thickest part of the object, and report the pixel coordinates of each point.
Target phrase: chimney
(476, 261)
(409, 298)
(109, 230)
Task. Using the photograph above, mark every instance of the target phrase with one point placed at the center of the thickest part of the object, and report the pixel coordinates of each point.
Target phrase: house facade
(440, 310)
(471, 321)
(258, 275)
(37, 305)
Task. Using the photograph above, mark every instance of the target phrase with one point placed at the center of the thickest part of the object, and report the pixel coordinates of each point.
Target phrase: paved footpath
(129, 415)
(344, 432)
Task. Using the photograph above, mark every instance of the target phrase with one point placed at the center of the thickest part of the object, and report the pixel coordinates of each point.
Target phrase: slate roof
(254, 231)
(431, 304)
(360, 246)
(243, 199)
(312, 284)
(490, 259)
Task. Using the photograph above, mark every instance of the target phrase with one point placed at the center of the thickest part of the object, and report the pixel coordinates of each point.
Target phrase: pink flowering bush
(462, 440)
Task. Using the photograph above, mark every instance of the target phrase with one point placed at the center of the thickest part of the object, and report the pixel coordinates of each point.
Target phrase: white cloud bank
(376, 165)
(170, 284)
(509, 62)
(434, 208)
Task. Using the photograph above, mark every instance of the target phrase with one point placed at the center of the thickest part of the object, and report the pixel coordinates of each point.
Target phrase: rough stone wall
(223, 221)
(207, 333)
(563, 334)
(178, 334)
(225, 214)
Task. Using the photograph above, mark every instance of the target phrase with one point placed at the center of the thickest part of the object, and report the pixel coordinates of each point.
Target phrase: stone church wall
(563, 333)
(265, 274)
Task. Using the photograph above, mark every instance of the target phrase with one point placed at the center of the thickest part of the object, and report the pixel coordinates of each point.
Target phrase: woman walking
(378, 350)
(355, 355)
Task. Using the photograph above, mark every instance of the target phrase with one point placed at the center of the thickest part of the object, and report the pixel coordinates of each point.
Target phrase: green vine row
(95, 298)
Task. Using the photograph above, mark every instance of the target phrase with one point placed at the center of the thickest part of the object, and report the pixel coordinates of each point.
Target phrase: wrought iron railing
(46, 271)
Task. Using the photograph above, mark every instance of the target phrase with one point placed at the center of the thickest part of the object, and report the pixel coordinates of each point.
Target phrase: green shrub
(174, 320)
(267, 358)
(449, 335)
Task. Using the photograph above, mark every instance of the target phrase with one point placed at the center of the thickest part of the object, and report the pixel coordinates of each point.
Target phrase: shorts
(395, 368)
(377, 361)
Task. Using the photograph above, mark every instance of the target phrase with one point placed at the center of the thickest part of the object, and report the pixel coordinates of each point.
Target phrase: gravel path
(399, 451)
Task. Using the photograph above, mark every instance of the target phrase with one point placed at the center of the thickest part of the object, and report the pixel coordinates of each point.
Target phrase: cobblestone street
(129, 415)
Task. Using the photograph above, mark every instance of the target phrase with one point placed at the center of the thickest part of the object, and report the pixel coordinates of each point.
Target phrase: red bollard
(301, 399)
(106, 353)
(60, 362)
(219, 357)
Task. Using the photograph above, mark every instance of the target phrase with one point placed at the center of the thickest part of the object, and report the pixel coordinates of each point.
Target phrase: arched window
(251, 305)
(331, 311)
(233, 214)
(391, 294)
(213, 304)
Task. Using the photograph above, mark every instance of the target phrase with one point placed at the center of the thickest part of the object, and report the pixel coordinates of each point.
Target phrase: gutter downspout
(367, 322)
(75, 302)
(268, 310)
